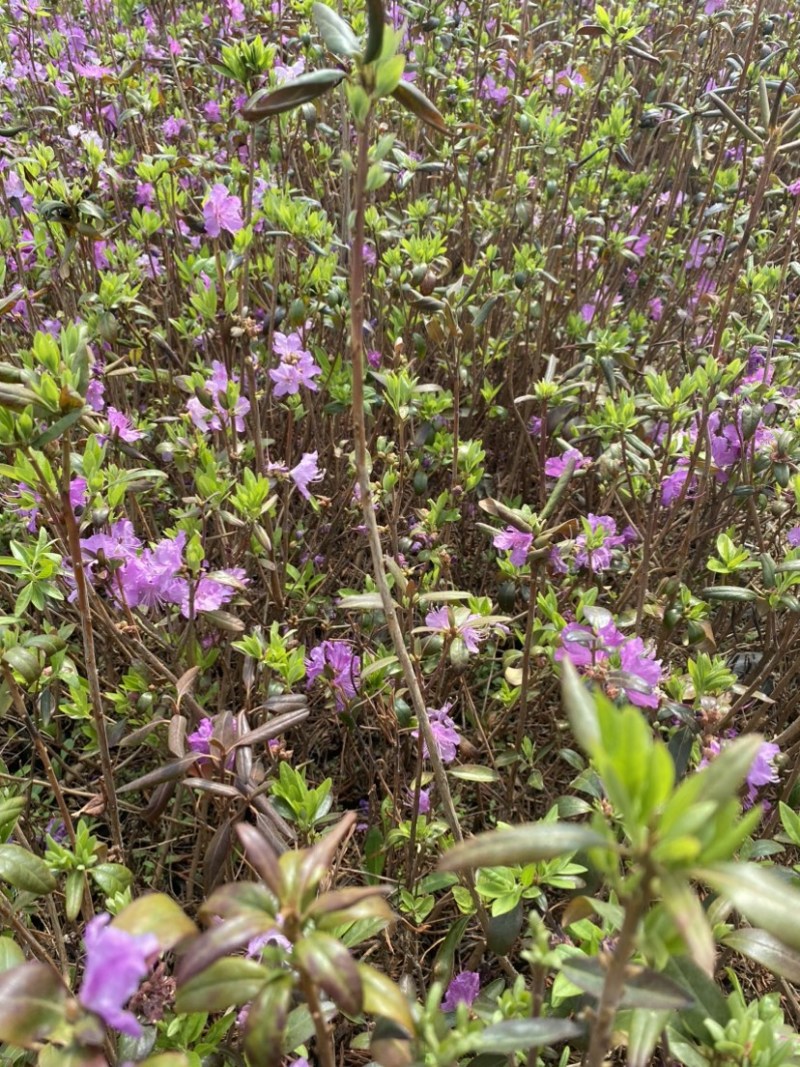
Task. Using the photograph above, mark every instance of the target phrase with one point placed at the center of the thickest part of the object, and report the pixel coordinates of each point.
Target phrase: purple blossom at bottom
(120, 428)
(306, 472)
(445, 734)
(463, 989)
(793, 536)
(296, 367)
(214, 415)
(672, 485)
(116, 962)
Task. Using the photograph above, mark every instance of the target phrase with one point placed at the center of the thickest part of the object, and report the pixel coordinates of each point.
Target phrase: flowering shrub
(400, 431)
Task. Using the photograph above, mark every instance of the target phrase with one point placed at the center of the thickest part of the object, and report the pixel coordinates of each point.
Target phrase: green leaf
(266, 1023)
(689, 917)
(32, 1001)
(527, 843)
(375, 26)
(388, 75)
(22, 870)
(73, 894)
(415, 101)
(720, 780)
(25, 662)
(708, 1001)
(335, 32)
(167, 1059)
(228, 982)
(512, 1035)
(385, 998)
(290, 95)
(158, 914)
(11, 955)
(330, 966)
(111, 877)
(473, 772)
(767, 950)
(643, 988)
(219, 941)
(57, 428)
(581, 709)
(644, 1032)
(764, 898)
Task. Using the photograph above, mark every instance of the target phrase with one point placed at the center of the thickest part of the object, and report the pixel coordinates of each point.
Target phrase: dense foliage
(399, 440)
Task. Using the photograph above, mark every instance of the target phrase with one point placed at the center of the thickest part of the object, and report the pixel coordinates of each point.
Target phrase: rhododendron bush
(399, 445)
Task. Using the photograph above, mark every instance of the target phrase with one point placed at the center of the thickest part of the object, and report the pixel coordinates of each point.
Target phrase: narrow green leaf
(11, 955)
(527, 843)
(644, 1031)
(335, 32)
(580, 707)
(708, 1001)
(415, 101)
(385, 998)
(513, 1035)
(266, 1023)
(764, 898)
(375, 27)
(767, 950)
(686, 912)
(643, 988)
(290, 95)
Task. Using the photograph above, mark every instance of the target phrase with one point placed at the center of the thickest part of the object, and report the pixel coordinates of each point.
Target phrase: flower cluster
(620, 664)
(150, 577)
(219, 404)
(116, 962)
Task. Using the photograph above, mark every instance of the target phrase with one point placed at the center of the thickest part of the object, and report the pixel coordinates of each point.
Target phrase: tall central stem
(365, 492)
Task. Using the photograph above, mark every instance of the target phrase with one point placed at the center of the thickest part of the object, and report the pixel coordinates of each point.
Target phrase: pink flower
(463, 989)
(556, 465)
(456, 622)
(762, 771)
(222, 211)
(120, 427)
(116, 962)
(296, 368)
(445, 735)
(516, 543)
(306, 472)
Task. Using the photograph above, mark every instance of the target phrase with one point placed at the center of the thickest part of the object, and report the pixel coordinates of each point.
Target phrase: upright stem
(615, 979)
(363, 473)
(93, 678)
(325, 1050)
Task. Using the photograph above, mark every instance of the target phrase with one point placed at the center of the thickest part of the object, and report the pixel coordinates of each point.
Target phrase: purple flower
(516, 542)
(120, 427)
(173, 128)
(200, 739)
(793, 537)
(116, 962)
(296, 368)
(222, 211)
(271, 937)
(94, 395)
(216, 413)
(595, 543)
(762, 771)
(618, 663)
(556, 465)
(463, 989)
(340, 666)
(456, 622)
(306, 472)
(445, 734)
(672, 485)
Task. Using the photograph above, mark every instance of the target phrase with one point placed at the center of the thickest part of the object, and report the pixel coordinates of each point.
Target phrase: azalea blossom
(618, 663)
(339, 664)
(222, 211)
(116, 962)
(516, 543)
(463, 989)
(445, 734)
(306, 472)
(557, 465)
(296, 368)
